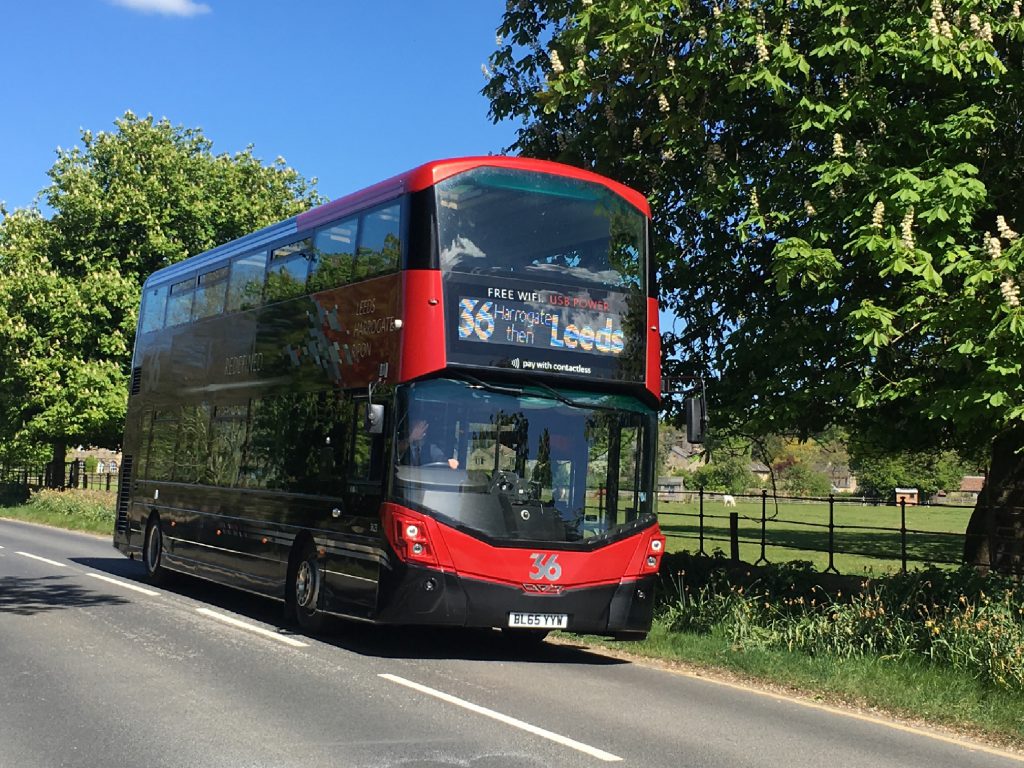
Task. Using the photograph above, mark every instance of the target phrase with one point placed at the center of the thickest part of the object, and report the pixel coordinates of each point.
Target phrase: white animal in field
(728, 500)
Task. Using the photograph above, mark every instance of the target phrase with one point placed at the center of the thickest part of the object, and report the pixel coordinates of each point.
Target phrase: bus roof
(415, 180)
(428, 174)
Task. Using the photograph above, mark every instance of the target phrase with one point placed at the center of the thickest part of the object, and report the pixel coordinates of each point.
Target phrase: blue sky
(348, 91)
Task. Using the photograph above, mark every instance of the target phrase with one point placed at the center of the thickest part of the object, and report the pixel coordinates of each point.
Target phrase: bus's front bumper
(427, 596)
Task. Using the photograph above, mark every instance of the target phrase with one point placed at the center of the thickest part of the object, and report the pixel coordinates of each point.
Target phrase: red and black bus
(429, 402)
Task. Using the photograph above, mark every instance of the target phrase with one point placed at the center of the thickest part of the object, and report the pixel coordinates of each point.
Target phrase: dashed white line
(43, 559)
(252, 628)
(600, 754)
(125, 584)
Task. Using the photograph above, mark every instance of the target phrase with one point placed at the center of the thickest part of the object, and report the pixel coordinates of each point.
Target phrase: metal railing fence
(824, 529)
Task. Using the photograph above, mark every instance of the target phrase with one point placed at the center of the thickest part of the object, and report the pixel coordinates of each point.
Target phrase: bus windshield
(524, 464)
(534, 226)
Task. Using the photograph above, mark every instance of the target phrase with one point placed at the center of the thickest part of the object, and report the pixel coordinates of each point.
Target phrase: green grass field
(799, 531)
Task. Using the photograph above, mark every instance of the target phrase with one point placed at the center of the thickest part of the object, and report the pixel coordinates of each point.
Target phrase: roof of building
(972, 483)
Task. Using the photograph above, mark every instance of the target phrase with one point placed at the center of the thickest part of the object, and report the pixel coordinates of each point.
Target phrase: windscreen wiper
(568, 400)
(491, 387)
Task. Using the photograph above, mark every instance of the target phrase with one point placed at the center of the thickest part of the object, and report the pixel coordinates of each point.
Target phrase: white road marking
(125, 584)
(252, 628)
(535, 730)
(43, 559)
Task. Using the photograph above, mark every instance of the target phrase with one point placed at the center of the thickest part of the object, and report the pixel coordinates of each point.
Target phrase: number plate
(539, 620)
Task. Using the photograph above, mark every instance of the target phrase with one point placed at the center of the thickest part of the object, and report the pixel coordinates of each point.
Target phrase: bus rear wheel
(153, 553)
(304, 582)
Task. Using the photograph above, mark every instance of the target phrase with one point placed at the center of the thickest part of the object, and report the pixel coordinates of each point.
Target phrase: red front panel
(423, 347)
(653, 370)
(420, 539)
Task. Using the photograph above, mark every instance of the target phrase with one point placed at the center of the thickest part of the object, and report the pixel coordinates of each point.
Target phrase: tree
(836, 194)
(124, 204)
(879, 473)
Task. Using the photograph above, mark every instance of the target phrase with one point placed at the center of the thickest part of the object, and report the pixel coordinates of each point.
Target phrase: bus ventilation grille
(136, 381)
(124, 492)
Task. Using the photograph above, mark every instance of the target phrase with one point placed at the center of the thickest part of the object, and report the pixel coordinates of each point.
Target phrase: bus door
(361, 469)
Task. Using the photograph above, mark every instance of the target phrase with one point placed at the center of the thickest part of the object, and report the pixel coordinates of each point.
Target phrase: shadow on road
(391, 642)
(27, 597)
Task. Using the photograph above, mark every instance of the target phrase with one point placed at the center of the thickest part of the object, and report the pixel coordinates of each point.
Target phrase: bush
(93, 508)
(956, 619)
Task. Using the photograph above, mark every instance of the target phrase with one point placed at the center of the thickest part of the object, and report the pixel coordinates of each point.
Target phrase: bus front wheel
(304, 581)
(153, 553)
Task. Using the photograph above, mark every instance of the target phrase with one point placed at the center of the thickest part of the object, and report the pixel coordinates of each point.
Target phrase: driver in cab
(416, 450)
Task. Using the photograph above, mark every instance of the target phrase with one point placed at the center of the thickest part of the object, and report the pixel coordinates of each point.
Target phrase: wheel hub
(306, 584)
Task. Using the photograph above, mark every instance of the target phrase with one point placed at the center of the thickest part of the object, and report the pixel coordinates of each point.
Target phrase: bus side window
(210, 293)
(245, 286)
(190, 457)
(154, 303)
(367, 458)
(286, 276)
(160, 460)
(380, 244)
(179, 303)
(334, 249)
(145, 440)
(227, 436)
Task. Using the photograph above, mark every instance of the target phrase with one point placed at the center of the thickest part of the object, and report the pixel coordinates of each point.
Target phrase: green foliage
(835, 190)
(124, 204)
(77, 510)
(804, 480)
(931, 471)
(958, 620)
(726, 474)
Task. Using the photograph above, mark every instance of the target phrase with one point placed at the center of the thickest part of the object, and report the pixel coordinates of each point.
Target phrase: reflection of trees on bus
(297, 442)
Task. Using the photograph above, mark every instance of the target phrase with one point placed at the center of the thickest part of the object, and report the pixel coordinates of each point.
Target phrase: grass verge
(910, 690)
(74, 510)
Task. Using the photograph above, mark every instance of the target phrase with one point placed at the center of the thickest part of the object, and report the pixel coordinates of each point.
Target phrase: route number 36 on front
(539, 620)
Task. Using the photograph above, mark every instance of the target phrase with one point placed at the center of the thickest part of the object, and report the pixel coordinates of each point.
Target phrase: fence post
(764, 520)
(734, 536)
(700, 499)
(108, 482)
(903, 532)
(831, 534)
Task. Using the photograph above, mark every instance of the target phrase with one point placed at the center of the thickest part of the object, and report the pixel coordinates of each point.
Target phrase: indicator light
(656, 545)
(652, 561)
(417, 549)
(412, 531)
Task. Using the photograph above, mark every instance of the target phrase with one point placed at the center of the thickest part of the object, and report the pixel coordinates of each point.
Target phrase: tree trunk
(55, 477)
(995, 533)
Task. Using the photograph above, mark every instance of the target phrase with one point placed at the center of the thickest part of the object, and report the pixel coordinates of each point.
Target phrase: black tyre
(304, 585)
(153, 553)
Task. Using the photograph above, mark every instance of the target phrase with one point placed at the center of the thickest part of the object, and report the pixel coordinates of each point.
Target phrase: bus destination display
(541, 329)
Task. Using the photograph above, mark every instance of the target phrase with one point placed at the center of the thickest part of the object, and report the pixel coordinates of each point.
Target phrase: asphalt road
(96, 673)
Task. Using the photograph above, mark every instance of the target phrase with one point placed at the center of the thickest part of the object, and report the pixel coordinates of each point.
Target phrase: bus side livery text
(518, 320)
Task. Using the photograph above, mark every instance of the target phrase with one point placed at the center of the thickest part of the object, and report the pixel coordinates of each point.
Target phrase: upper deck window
(210, 293)
(334, 249)
(179, 303)
(380, 244)
(540, 227)
(289, 266)
(154, 304)
(245, 287)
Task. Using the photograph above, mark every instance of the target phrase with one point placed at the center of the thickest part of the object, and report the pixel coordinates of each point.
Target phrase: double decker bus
(432, 401)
